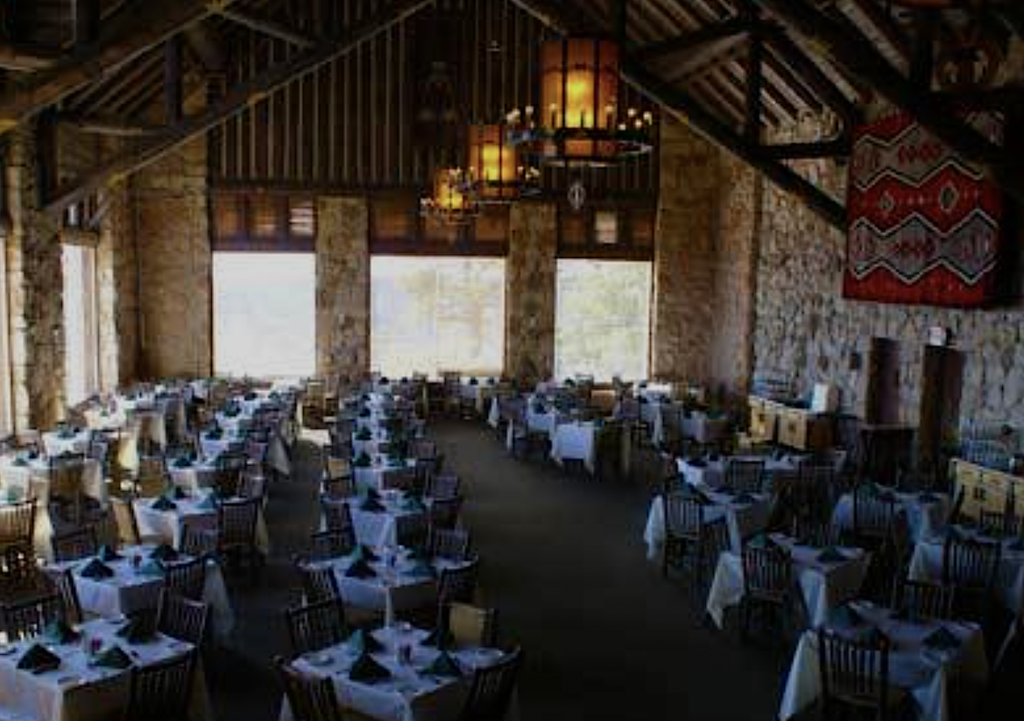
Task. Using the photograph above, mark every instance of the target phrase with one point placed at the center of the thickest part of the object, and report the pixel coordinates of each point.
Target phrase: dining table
(164, 519)
(744, 514)
(385, 520)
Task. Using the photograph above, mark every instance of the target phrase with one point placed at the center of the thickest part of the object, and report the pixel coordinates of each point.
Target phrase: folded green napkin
(364, 413)
(163, 552)
(423, 570)
(831, 555)
(138, 629)
(250, 396)
(845, 617)
(362, 642)
(108, 554)
(942, 639)
(231, 412)
(59, 632)
(761, 540)
(875, 636)
(360, 569)
(209, 503)
(363, 434)
(473, 381)
(443, 665)
(214, 435)
(182, 462)
(697, 462)
(12, 494)
(178, 493)
(439, 637)
(363, 461)
(372, 505)
(66, 434)
(113, 657)
(363, 552)
(163, 503)
(20, 461)
(366, 670)
(38, 660)
(96, 569)
(152, 567)
(743, 498)
(413, 503)
(928, 498)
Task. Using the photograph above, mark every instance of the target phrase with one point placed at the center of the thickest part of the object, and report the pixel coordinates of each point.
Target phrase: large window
(81, 330)
(602, 327)
(437, 314)
(6, 412)
(264, 314)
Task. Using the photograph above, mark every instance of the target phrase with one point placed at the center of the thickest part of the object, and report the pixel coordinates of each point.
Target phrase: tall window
(81, 323)
(437, 314)
(264, 314)
(6, 412)
(602, 326)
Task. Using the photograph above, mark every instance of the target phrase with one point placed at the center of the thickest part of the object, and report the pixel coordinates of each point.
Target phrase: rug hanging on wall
(924, 225)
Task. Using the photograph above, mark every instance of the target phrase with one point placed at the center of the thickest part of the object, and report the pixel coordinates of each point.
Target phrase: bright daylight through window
(602, 326)
(81, 330)
(437, 314)
(264, 314)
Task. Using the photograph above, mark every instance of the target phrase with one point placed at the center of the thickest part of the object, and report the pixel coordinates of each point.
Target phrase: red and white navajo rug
(924, 225)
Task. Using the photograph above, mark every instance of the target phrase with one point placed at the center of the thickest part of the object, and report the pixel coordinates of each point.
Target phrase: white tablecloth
(195, 477)
(407, 695)
(577, 441)
(712, 474)
(78, 691)
(743, 520)
(54, 443)
(167, 526)
(823, 586)
(923, 518)
(389, 527)
(372, 476)
(924, 674)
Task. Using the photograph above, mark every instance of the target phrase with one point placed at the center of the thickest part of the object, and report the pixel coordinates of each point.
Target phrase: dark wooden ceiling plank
(695, 42)
(268, 27)
(887, 26)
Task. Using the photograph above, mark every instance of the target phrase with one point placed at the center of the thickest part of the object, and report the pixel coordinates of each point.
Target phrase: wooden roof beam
(238, 98)
(120, 40)
(268, 27)
(27, 59)
(695, 42)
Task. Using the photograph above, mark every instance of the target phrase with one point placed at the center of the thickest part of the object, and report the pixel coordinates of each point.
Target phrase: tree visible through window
(437, 314)
(602, 326)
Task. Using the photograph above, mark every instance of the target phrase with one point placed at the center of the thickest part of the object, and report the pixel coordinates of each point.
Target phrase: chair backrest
(956, 509)
(684, 514)
(443, 486)
(473, 626)
(332, 543)
(186, 578)
(161, 691)
(923, 600)
(403, 479)
(65, 472)
(339, 487)
(18, 569)
(337, 514)
(767, 572)
(182, 618)
(311, 698)
(64, 585)
(458, 584)
(873, 514)
(316, 626)
(318, 583)
(492, 689)
(744, 475)
(444, 512)
(27, 619)
(197, 542)
(450, 543)
(236, 521)
(252, 486)
(127, 523)
(853, 671)
(814, 531)
(75, 544)
(970, 564)
(229, 468)
(18, 522)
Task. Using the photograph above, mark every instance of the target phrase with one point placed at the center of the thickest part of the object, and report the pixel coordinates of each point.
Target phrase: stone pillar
(530, 277)
(172, 234)
(117, 286)
(683, 323)
(342, 288)
(34, 280)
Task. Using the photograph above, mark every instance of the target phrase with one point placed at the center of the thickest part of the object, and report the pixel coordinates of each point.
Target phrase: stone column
(173, 238)
(117, 286)
(342, 288)
(530, 277)
(34, 280)
(683, 323)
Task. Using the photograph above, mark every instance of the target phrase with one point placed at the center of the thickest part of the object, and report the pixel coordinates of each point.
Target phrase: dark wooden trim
(173, 93)
(922, 58)
(838, 148)
(418, 247)
(268, 27)
(87, 21)
(26, 58)
(606, 253)
(250, 245)
(692, 42)
(886, 25)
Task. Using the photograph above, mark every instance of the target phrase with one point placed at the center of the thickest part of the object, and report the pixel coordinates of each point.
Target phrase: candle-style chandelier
(496, 170)
(580, 121)
(453, 198)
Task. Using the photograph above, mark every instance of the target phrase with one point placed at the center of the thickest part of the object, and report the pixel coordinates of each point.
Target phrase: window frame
(90, 317)
(246, 239)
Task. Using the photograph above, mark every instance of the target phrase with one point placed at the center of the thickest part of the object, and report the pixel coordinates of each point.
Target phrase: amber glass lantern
(493, 163)
(452, 201)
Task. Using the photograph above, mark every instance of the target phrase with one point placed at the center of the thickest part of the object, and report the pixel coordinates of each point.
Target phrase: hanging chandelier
(453, 200)
(496, 169)
(579, 121)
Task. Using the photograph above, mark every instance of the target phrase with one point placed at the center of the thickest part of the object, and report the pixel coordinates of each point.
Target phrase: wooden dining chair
(768, 586)
(684, 525)
(971, 566)
(854, 675)
(71, 607)
(236, 532)
(745, 475)
(17, 523)
(318, 583)
(316, 626)
(924, 600)
(20, 576)
(68, 504)
(229, 467)
(312, 698)
(332, 543)
(400, 479)
(74, 545)
(337, 515)
(182, 618)
(442, 486)
(28, 618)
(186, 578)
(338, 488)
(492, 689)
(450, 543)
(162, 691)
(458, 584)
(472, 626)
(444, 512)
(873, 517)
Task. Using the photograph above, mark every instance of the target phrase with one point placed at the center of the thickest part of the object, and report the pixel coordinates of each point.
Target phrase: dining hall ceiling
(738, 71)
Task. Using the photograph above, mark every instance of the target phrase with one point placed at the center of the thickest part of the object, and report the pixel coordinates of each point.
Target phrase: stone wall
(530, 289)
(35, 312)
(342, 288)
(117, 289)
(172, 237)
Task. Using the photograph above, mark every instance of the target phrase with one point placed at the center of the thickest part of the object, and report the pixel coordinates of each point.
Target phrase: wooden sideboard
(986, 489)
(793, 427)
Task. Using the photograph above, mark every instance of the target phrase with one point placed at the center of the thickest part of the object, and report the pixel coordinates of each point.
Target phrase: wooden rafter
(13, 57)
(886, 26)
(236, 100)
(268, 27)
(120, 40)
(693, 42)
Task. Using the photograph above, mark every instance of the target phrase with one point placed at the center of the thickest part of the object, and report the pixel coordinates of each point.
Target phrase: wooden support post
(173, 80)
(87, 21)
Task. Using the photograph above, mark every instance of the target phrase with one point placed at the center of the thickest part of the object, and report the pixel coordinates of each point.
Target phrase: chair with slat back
(955, 510)
(337, 515)
(161, 691)
(252, 487)
(444, 512)
(127, 523)
(402, 479)
(230, 466)
(443, 486)
(472, 626)
(873, 517)
(492, 689)
(684, 521)
(815, 494)
(450, 543)
(971, 567)
(332, 543)
(318, 583)
(20, 576)
(1001, 523)
(767, 583)
(855, 675)
(236, 530)
(814, 531)
(67, 501)
(182, 618)
(64, 585)
(311, 698)
(338, 488)
(316, 626)
(198, 542)
(28, 618)
(924, 600)
(458, 584)
(17, 523)
(186, 578)
(744, 475)
(73, 545)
